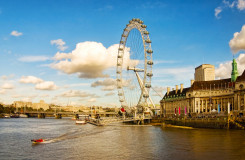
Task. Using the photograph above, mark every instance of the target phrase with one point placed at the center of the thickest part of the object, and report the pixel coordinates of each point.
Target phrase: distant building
(206, 95)
(19, 104)
(40, 105)
(205, 72)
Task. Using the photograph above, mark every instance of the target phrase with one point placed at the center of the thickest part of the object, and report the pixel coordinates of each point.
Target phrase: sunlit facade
(204, 98)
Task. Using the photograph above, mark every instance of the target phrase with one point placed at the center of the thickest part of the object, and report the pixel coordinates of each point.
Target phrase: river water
(69, 141)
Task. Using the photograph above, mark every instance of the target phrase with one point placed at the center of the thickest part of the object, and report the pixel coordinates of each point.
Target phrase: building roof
(205, 65)
(173, 93)
(241, 77)
(215, 84)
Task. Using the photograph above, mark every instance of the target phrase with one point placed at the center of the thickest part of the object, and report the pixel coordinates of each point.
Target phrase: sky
(64, 52)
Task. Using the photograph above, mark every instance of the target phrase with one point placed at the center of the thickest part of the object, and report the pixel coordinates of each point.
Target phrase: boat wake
(75, 134)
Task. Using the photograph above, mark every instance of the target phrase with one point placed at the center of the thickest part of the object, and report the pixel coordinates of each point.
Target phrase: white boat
(80, 122)
(23, 116)
(6, 116)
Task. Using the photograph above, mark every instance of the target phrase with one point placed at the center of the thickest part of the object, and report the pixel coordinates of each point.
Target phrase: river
(69, 141)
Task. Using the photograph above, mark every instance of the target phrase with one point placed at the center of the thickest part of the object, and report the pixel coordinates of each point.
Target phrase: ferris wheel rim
(141, 27)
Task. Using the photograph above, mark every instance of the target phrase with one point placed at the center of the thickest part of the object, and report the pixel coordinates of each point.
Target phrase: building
(19, 104)
(205, 72)
(206, 96)
(40, 105)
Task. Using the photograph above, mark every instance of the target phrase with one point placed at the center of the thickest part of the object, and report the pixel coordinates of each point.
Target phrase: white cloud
(238, 4)
(16, 33)
(92, 100)
(110, 84)
(217, 11)
(110, 94)
(224, 69)
(59, 43)
(5, 77)
(106, 82)
(241, 4)
(7, 86)
(77, 93)
(2, 91)
(228, 4)
(47, 85)
(90, 60)
(33, 58)
(17, 96)
(30, 79)
(27, 99)
(238, 41)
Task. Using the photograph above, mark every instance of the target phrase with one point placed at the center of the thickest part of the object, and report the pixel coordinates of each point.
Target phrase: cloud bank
(33, 58)
(90, 60)
(40, 84)
(224, 69)
(237, 43)
(238, 4)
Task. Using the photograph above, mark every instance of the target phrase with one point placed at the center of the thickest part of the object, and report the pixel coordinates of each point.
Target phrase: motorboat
(80, 122)
(36, 141)
(23, 116)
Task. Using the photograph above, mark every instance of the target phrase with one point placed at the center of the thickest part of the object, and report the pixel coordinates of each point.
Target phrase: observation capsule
(141, 22)
(119, 87)
(119, 56)
(124, 35)
(146, 96)
(149, 74)
(146, 33)
(148, 41)
(120, 94)
(120, 49)
(149, 51)
(143, 26)
(118, 72)
(121, 100)
(149, 62)
(119, 64)
(122, 42)
(147, 85)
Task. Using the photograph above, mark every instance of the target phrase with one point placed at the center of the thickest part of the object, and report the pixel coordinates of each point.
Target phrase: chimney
(181, 87)
(192, 81)
(177, 88)
(168, 90)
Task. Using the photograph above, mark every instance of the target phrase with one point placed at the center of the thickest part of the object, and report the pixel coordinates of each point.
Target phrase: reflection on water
(65, 140)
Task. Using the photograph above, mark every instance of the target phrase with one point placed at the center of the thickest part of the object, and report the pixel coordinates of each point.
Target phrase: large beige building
(40, 105)
(205, 72)
(19, 104)
(215, 97)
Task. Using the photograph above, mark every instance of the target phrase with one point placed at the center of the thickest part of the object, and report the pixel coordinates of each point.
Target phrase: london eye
(134, 67)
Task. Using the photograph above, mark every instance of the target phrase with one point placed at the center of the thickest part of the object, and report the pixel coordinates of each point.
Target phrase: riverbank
(212, 123)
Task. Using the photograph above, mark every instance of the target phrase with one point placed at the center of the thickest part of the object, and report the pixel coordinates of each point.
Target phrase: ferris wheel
(134, 67)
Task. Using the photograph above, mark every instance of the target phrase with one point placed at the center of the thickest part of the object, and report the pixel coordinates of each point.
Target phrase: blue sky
(184, 35)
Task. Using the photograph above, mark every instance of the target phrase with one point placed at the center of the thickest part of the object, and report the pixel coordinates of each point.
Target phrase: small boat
(36, 141)
(80, 122)
(23, 116)
(6, 116)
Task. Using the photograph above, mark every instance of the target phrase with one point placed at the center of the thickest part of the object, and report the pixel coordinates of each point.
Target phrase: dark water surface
(70, 141)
